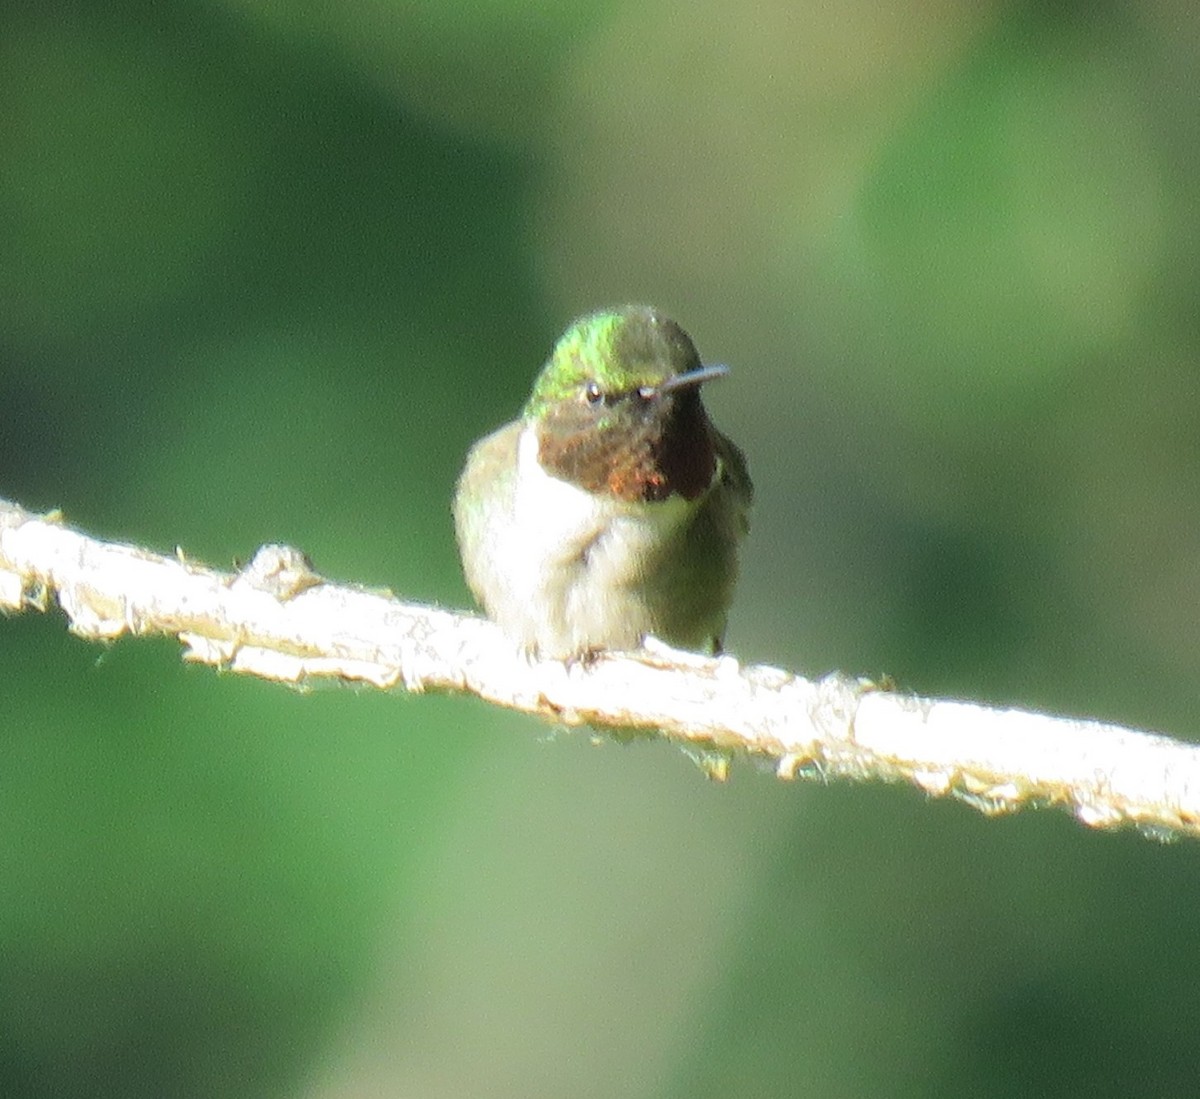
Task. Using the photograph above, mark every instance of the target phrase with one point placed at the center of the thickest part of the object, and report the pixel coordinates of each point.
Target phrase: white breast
(571, 557)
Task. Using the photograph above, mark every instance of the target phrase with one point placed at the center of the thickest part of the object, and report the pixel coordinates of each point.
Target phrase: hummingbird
(612, 509)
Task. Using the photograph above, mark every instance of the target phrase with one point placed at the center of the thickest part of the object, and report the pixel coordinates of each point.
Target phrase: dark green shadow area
(197, 869)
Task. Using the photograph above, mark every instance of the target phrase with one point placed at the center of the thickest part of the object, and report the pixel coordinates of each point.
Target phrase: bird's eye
(592, 393)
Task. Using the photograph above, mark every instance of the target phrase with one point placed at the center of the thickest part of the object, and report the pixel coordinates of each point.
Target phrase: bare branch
(278, 619)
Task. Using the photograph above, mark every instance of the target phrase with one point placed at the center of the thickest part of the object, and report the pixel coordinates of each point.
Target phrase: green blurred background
(266, 269)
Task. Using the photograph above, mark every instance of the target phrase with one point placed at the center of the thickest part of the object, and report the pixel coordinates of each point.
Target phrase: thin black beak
(686, 380)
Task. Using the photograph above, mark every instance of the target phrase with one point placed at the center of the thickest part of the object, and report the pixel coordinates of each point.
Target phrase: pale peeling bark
(277, 619)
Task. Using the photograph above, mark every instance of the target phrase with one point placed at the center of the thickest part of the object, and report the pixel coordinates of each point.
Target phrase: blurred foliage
(267, 268)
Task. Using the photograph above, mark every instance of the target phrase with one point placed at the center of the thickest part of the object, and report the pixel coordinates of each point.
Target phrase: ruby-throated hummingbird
(612, 509)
